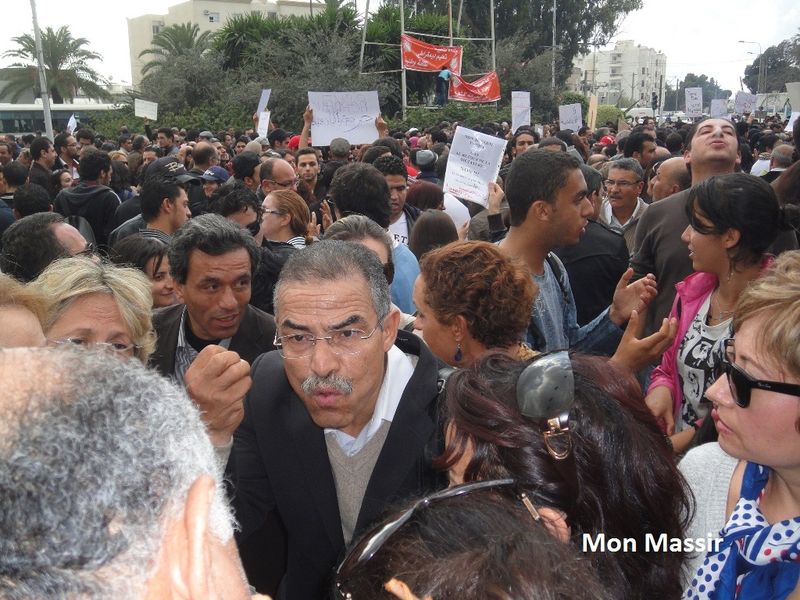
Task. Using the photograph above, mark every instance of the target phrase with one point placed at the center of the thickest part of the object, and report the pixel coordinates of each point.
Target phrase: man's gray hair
(97, 455)
(627, 164)
(335, 260)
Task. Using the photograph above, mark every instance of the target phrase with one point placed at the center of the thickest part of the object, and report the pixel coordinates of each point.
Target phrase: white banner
(520, 110)
(263, 123)
(745, 103)
(792, 119)
(262, 101)
(145, 109)
(473, 162)
(719, 107)
(349, 115)
(570, 117)
(694, 102)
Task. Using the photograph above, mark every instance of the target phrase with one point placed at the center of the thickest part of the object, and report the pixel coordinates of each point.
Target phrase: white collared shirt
(399, 369)
(607, 215)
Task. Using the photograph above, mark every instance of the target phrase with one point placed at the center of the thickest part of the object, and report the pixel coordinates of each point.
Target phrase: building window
(213, 17)
(272, 15)
(642, 84)
(157, 27)
(643, 71)
(641, 96)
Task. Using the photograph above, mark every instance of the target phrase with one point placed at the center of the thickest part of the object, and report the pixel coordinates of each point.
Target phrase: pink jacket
(689, 297)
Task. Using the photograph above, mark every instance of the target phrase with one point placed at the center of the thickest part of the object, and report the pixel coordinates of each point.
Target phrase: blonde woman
(97, 304)
(286, 218)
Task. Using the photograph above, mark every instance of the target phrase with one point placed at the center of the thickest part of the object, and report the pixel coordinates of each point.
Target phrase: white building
(209, 15)
(629, 70)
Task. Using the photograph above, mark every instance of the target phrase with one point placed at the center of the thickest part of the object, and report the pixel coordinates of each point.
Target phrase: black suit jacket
(280, 461)
(255, 336)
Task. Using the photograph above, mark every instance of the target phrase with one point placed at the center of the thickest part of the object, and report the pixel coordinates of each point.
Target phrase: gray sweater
(708, 471)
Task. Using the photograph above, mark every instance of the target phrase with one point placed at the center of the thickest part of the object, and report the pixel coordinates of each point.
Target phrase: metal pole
(458, 23)
(48, 119)
(403, 71)
(450, 20)
(491, 21)
(553, 66)
(364, 39)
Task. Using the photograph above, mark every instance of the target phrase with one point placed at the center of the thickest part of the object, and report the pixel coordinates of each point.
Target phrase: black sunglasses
(369, 545)
(741, 383)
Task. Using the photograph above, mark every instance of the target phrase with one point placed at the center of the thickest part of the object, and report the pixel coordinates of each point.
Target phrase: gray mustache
(341, 384)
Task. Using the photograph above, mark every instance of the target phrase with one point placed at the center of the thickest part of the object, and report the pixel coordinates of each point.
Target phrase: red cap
(294, 142)
(606, 140)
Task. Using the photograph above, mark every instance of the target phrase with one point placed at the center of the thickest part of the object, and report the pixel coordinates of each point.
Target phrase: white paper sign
(262, 102)
(792, 119)
(473, 162)
(349, 115)
(145, 109)
(744, 103)
(520, 110)
(694, 102)
(719, 107)
(570, 117)
(263, 123)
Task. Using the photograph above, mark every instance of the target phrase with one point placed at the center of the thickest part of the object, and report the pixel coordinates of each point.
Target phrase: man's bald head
(672, 177)
(781, 157)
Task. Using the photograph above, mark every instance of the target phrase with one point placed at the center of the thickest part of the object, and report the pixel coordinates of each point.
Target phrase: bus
(19, 119)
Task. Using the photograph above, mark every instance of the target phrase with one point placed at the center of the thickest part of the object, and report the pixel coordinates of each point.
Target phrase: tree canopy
(66, 66)
(182, 40)
(782, 64)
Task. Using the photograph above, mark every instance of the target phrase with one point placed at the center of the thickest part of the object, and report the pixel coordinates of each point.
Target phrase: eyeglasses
(116, 347)
(272, 211)
(341, 341)
(285, 184)
(374, 541)
(620, 183)
(741, 383)
(546, 392)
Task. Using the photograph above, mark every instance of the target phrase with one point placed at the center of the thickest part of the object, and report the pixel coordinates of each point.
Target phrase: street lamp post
(760, 67)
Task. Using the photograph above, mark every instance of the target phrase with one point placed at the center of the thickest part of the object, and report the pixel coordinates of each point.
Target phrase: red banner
(485, 89)
(417, 55)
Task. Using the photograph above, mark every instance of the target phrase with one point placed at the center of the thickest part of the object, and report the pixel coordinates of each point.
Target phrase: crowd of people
(239, 365)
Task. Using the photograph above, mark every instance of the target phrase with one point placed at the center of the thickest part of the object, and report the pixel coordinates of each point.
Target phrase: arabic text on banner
(349, 115)
(417, 55)
(485, 89)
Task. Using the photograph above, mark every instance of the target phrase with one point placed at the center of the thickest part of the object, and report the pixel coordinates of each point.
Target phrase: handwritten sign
(744, 103)
(263, 123)
(520, 110)
(262, 101)
(473, 162)
(349, 115)
(145, 109)
(719, 107)
(694, 102)
(570, 117)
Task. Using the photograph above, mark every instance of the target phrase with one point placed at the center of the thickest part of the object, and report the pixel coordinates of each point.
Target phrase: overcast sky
(697, 36)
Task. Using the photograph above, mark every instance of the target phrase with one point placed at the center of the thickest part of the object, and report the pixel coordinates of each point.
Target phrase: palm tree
(241, 34)
(65, 63)
(183, 39)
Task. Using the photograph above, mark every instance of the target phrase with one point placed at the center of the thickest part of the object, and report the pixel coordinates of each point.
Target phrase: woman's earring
(459, 355)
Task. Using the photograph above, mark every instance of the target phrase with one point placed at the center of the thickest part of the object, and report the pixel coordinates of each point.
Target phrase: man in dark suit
(207, 342)
(340, 423)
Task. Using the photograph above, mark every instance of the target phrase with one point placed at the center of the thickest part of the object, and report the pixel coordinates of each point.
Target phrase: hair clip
(546, 393)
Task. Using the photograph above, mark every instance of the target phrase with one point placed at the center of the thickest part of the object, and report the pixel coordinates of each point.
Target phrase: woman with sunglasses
(572, 431)
(756, 409)
(733, 220)
(286, 218)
